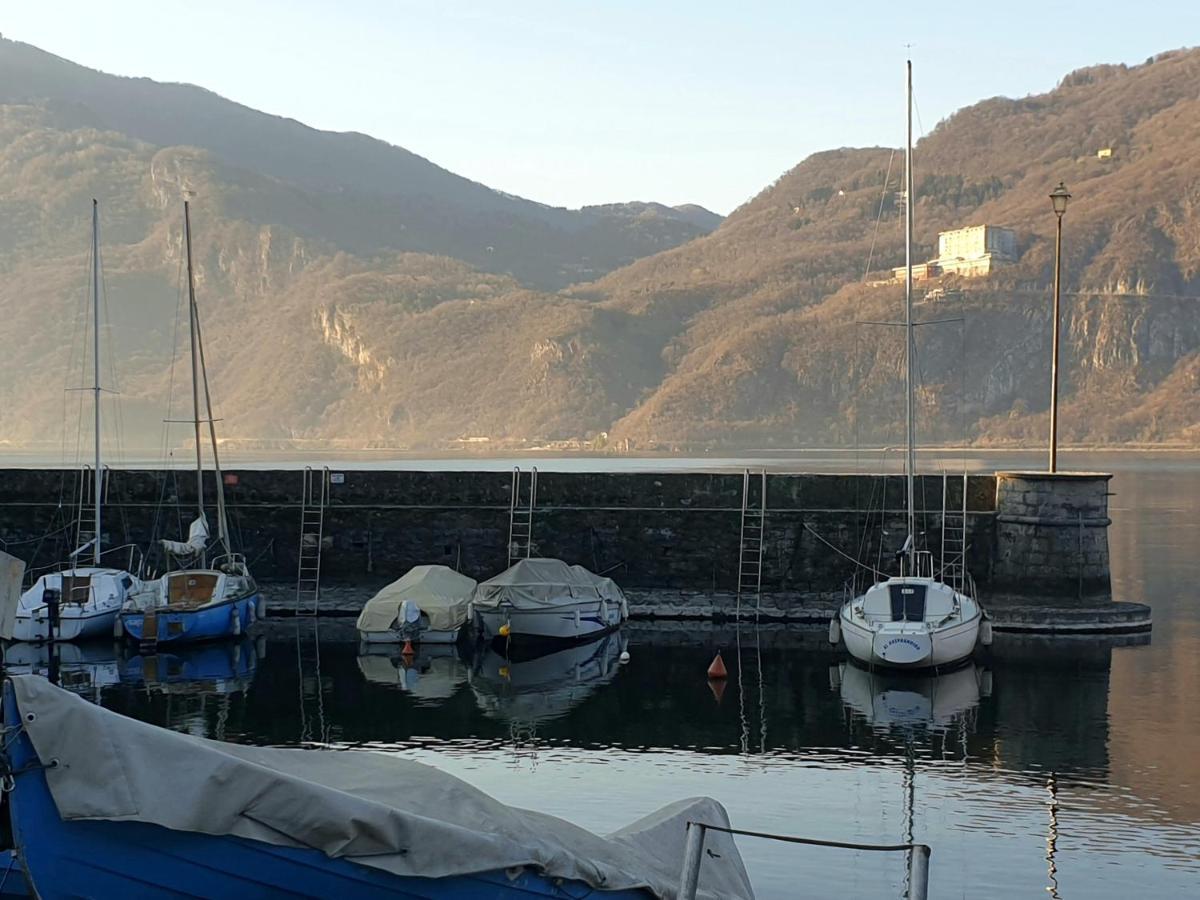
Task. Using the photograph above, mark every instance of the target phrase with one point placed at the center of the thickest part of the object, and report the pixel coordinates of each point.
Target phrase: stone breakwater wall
(670, 535)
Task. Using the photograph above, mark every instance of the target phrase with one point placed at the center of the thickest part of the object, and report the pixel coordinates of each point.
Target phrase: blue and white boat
(105, 806)
(196, 601)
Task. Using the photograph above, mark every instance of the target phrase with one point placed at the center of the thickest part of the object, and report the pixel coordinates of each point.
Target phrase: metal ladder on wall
(520, 515)
(314, 497)
(85, 533)
(750, 555)
(954, 536)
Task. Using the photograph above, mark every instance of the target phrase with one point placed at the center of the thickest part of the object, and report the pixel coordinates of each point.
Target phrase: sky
(573, 103)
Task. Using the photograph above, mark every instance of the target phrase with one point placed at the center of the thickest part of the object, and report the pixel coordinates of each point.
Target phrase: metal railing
(689, 878)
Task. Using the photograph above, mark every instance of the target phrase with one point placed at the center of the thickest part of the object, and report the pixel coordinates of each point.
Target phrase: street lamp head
(1059, 197)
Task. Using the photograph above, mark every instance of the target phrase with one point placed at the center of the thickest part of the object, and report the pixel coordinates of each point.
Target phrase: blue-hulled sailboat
(196, 601)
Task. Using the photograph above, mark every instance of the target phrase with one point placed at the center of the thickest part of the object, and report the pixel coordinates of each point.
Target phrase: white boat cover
(440, 592)
(534, 583)
(196, 542)
(373, 809)
(12, 570)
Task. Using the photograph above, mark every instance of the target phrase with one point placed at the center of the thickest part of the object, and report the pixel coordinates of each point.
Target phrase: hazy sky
(572, 103)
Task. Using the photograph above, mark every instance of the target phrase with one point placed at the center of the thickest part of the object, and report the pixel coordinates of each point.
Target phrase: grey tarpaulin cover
(377, 810)
(440, 592)
(532, 583)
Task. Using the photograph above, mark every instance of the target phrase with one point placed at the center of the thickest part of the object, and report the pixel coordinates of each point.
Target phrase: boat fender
(251, 611)
(261, 603)
(835, 631)
(118, 628)
(624, 657)
(985, 632)
(235, 623)
(237, 656)
(260, 646)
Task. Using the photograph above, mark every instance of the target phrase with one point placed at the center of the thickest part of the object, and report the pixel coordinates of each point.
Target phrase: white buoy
(624, 657)
(835, 631)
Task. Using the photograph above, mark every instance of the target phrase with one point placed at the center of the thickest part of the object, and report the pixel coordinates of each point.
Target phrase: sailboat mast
(192, 323)
(910, 437)
(97, 473)
(222, 525)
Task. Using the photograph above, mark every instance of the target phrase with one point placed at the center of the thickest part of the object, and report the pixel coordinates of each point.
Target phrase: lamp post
(1058, 198)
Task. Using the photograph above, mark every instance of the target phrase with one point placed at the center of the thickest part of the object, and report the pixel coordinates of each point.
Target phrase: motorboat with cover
(915, 620)
(427, 604)
(81, 601)
(102, 805)
(546, 598)
(196, 601)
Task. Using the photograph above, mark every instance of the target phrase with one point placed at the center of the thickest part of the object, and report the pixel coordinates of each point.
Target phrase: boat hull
(570, 621)
(227, 619)
(96, 858)
(73, 625)
(428, 636)
(907, 648)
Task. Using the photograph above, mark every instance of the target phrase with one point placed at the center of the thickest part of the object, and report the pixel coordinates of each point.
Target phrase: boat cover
(440, 592)
(534, 583)
(370, 808)
(12, 570)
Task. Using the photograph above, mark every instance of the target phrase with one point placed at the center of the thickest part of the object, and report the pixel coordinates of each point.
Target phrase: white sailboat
(80, 601)
(913, 620)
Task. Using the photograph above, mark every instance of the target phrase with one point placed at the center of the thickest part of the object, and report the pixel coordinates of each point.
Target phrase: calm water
(1061, 767)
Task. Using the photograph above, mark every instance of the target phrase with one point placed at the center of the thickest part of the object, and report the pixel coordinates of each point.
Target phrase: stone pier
(1035, 543)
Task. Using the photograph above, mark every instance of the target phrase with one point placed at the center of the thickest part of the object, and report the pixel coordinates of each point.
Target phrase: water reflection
(431, 675)
(888, 700)
(526, 692)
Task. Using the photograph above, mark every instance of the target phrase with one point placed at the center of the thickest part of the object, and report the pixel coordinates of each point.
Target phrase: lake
(1067, 767)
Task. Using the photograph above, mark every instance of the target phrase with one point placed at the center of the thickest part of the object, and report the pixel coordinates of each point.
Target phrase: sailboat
(80, 601)
(913, 620)
(197, 601)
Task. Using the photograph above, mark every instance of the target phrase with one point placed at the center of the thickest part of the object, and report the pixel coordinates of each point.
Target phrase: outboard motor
(52, 597)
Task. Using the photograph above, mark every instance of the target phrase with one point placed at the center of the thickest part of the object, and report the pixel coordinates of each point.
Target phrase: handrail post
(689, 878)
(918, 872)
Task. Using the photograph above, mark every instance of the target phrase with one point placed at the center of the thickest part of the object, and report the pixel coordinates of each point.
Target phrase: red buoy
(717, 669)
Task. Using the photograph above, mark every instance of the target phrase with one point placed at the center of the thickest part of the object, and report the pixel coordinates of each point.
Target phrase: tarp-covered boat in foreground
(102, 805)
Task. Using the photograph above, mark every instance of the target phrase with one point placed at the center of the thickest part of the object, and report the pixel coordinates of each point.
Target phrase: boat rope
(813, 842)
(843, 553)
(879, 217)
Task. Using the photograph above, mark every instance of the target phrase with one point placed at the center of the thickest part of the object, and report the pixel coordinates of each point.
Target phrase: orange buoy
(408, 649)
(717, 669)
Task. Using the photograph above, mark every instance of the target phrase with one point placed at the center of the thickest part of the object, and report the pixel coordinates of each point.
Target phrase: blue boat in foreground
(106, 806)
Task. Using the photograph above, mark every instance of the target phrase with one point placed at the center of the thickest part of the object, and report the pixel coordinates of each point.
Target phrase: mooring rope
(843, 553)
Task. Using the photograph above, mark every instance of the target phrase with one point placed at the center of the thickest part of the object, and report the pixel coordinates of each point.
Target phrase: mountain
(353, 192)
(356, 294)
